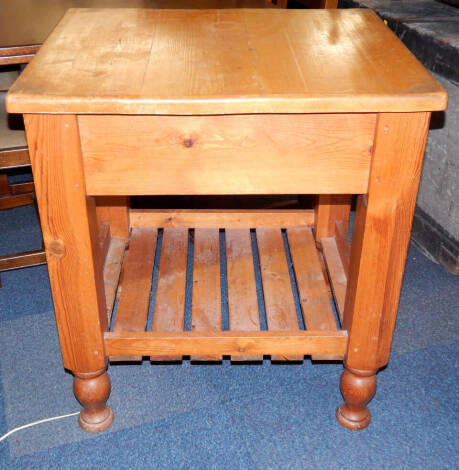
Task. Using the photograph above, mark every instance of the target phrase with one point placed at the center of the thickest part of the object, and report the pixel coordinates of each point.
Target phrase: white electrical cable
(34, 423)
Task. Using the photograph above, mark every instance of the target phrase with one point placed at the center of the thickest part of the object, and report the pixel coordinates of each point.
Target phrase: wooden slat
(169, 311)
(17, 200)
(14, 157)
(22, 260)
(206, 303)
(221, 218)
(132, 311)
(16, 59)
(242, 294)
(336, 273)
(277, 290)
(285, 344)
(312, 288)
(21, 188)
(112, 270)
(227, 154)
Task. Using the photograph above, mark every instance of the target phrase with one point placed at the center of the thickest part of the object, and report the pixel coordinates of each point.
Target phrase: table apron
(227, 154)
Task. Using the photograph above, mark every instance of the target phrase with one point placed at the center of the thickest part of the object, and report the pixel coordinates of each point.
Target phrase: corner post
(68, 221)
(380, 243)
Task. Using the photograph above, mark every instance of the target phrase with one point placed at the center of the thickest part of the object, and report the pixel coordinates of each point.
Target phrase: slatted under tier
(213, 274)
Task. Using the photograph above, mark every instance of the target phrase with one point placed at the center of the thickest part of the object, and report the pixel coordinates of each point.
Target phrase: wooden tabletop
(132, 61)
(25, 24)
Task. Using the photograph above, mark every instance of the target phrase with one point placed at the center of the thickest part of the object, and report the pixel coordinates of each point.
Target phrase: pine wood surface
(138, 268)
(242, 294)
(206, 302)
(221, 218)
(277, 290)
(236, 154)
(329, 209)
(169, 312)
(312, 289)
(226, 61)
(132, 311)
(115, 212)
(69, 226)
(252, 343)
(381, 235)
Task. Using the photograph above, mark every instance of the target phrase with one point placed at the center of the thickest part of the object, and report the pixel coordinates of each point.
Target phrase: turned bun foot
(357, 388)
(92, 391)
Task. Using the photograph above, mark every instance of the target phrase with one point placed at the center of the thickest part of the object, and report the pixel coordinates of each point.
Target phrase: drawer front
(227, 154)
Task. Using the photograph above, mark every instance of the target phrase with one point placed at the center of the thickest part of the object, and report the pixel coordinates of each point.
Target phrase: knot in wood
(188, 142)
(56, 248)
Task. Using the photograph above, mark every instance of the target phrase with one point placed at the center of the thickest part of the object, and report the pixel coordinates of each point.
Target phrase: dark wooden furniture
(226, 102)
(14, 154)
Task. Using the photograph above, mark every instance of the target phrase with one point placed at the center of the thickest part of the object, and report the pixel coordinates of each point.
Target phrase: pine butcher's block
(125, 102)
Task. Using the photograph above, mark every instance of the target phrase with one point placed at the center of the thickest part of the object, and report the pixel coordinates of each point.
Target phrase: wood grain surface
(381, 234)
(277, 290)
(312, 288)
(227, 342)
(68, 222)
(242, 291)
(206, 302)
(132, 311)
(169, 312)
(236, 154)
(220, 218)
(225, 61)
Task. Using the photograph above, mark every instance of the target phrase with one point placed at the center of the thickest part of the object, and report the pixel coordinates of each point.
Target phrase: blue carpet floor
(227, 416)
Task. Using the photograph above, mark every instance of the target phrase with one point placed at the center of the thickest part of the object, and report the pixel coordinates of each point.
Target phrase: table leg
(380, 243)
(68, 220)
